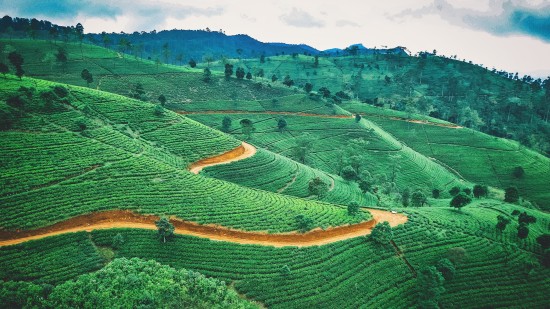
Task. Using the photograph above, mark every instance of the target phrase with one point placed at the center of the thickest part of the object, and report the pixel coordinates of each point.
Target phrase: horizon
(506, 35)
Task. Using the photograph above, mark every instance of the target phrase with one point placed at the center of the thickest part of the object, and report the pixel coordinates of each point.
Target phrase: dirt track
(242, 152)
(127, 219)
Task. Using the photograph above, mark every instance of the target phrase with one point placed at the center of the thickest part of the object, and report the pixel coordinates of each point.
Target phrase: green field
(69, 150)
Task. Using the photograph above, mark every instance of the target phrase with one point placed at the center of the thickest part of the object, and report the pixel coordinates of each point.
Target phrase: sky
(511, 35)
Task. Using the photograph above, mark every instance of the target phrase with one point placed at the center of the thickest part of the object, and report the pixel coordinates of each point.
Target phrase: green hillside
(70, 149)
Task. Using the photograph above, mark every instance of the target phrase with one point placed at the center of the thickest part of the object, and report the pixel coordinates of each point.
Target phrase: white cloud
(300, 18)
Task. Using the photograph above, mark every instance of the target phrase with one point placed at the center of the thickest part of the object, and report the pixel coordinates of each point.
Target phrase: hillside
(279, 193)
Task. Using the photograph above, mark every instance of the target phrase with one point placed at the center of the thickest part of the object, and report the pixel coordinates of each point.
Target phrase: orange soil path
(242, 152)
(127, 219)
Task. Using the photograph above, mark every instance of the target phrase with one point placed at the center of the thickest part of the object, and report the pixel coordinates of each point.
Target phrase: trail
(244, 151)
(128, 219)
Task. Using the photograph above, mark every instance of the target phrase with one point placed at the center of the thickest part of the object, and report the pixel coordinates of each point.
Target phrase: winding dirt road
(244, 151)
(128, 219)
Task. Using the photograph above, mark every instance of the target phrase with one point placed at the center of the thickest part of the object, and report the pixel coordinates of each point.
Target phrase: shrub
(353, 208)
(511, 195)
(460, 200)
(304, 223)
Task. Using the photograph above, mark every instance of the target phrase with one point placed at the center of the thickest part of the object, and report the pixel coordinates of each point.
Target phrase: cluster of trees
(16, 60)
(34, 28)
(126, 283)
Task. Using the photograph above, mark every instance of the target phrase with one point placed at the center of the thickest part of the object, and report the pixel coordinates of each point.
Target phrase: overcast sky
(512, 35)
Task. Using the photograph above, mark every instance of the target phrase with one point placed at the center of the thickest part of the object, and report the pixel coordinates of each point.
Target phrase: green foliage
(436, 193)
(446, 268)
(523, 231)
(240, 73)
(228, 70)
(206, 75)
(325, 92)
(502, 222)
(348, 173)
(304, 223)
(544, 241)
(353, 208)
(430, 287)
(193, 63)
(518, 172)
(382, 233)
(162, 99)
(281, 124)
(118, 241)
(511, 195)
(288, 81)
(418, 198)
(308, 87)
(87, 77)
(454, 191)
(480, 191)
(165, 228)
(247, 127)
(226, 124)
(159, 111)
(460, 200)
(357, 117)
(4, 69)
(318, 187)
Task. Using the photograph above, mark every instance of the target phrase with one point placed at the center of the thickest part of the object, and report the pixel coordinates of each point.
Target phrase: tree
(430, 287)
(137, 92)
(454, 190)
(249, 76)
(206, 75)
(353, 208)
(502, 222)
(446, 268)
(418, 198)
(87, 76)
(544, 241)
(480, 190)
(325, 92)
(348, 173)
(523, 231)
(382, 233)
(288, 81)
(460, 200)
(525, 218)
(304, 223)
(281, 124)
(518, 172)
(4, 69)
(511, 195)
(247, 127)
(316, 61)
(61, 57)
(17, 61)
(118, 241)
(308, 87)
(357, 117)
(79, 29)
(240, 73)
(274, 78)
(179, 58)
(436, 193)
(228, 70)
(165, 228)
(302, 147)
(262, 58)
(467, 191)
(405, 197)
(226, 124)
(162, 99)
(193, 63)
(318, 187)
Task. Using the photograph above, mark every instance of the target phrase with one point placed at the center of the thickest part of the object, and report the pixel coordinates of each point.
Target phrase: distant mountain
(362, 50)
(184, 45)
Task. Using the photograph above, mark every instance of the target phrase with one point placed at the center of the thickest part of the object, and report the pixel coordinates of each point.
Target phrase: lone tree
(281, 124)
(274, 78)
(304, 223)
(17, 61)
(192, 63)
(382, 233)
(436, 193)
(353, 208)
(325, 92)
(288, 81)
(502, 222)
(228, 70)
(206, 75)
(460, 200)
(308, 87)
(162, 99)
(165, 228)
(240, 73)
(511, 195)
(247, 127)
(318, 187)
(480, 191)
(249, 76)
(454, 190)
(418, 198)
(518, 172)
(357, 117)
(446, 268)
(87, 76)
(226, 124)
(62, 57)
(523, 231)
